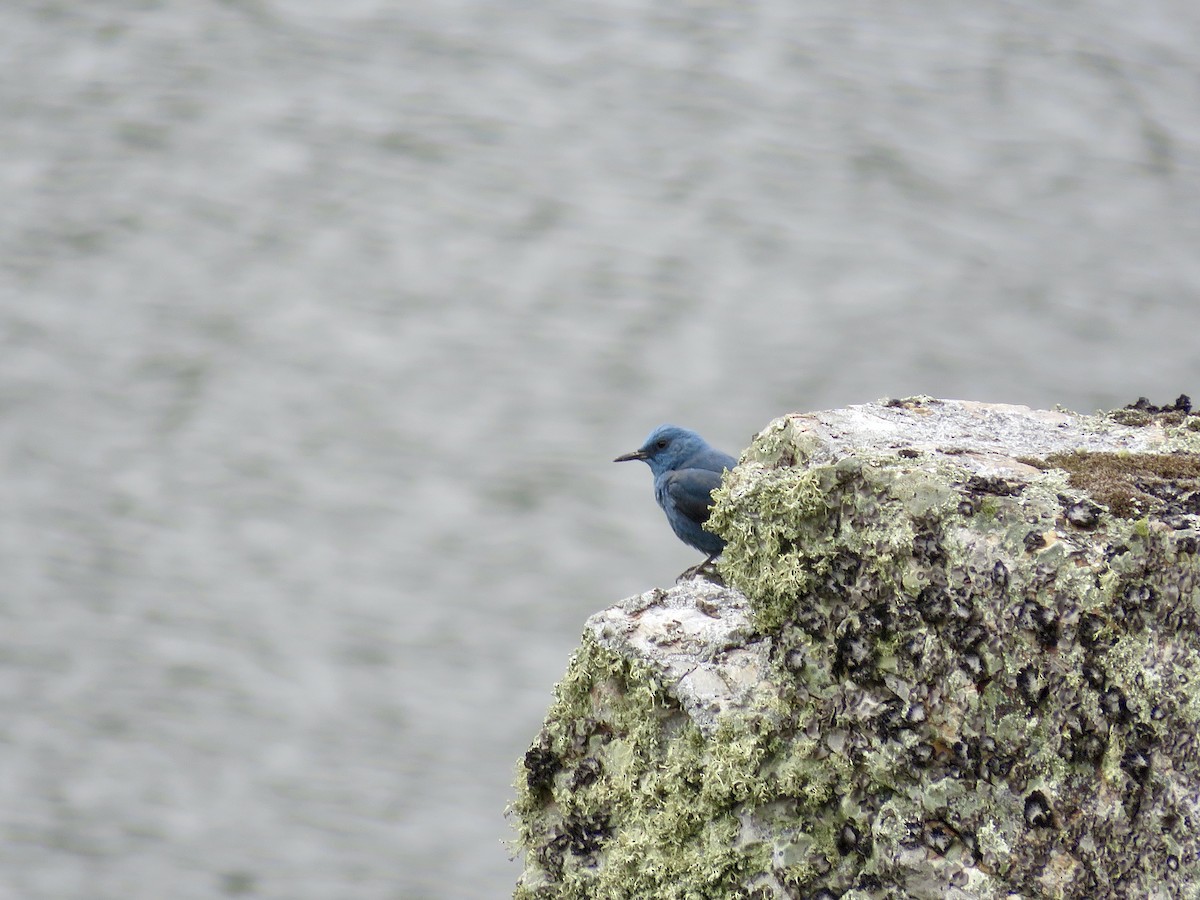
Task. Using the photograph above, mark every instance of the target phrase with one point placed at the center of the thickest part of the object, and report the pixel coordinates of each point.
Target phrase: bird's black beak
(636, 454)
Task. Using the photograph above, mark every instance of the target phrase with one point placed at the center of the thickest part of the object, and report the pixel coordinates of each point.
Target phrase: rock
(959, 657)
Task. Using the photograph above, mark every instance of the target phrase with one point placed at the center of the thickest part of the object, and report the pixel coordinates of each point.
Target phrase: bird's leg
(706, 568)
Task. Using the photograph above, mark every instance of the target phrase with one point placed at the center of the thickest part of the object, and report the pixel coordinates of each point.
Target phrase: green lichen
(791, 529)
(663, 800)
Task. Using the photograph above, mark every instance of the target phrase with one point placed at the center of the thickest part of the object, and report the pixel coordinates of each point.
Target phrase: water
(321, 322)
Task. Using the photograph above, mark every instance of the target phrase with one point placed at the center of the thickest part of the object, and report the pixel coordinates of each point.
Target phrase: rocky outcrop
(959, 656)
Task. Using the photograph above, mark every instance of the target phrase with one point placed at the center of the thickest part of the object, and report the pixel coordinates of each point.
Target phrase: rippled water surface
(320, 324)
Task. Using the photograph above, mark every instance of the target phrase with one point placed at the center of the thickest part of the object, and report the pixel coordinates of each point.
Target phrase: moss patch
(1135, 484)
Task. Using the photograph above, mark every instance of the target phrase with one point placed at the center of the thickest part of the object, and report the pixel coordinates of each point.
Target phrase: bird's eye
(661, 444)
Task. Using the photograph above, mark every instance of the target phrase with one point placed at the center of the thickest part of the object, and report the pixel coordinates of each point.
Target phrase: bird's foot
(706, 570)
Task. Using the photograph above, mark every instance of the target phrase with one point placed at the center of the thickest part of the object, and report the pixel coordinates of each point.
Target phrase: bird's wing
(690, 491)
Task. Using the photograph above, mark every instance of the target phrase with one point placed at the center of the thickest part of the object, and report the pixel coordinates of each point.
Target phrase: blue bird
(686, 471)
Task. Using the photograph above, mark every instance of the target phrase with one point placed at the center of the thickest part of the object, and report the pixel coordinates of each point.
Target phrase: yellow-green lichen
(609, 807)
(787, 528)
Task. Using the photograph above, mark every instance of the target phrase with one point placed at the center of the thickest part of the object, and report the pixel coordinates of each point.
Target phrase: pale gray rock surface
(698, 640)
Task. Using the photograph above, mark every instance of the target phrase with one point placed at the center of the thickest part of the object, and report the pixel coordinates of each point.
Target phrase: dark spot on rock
(844, 571)
(1035, 540)
(968, 506)
(915, 648)
(908, 453)
(982, 484)
(966, 758)
(934, 604)
(937, 837)
(1187, 544)
(890, 719)
(1083, 514)
(997, 767)
(811, 619)
(972, 634)
(580, 835)
(541, 765)
(922, 753)
(1092, 629)
(586, 772)
(1032, 686)
(969, 840)
(927, 548)
(1093, 675)
(1037, 811)
(1114, 705)
(1000, 575)
(1136, 763)
(1041, 620)
(1047, 626)
(854, 654)
(1044, 622)
(848, 839)
(1085, 747)
(877, 620)
(1138, 598)
(1173, 862)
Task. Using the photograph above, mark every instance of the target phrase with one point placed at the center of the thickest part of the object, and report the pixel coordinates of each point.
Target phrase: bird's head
(666, 448)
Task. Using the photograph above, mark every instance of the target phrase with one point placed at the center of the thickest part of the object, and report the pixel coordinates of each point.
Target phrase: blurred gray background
(321, 323)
